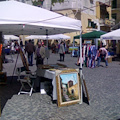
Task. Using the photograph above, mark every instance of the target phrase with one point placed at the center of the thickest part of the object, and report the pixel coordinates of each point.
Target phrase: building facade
(94, 14)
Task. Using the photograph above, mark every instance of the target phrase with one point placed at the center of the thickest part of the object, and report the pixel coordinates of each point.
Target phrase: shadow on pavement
(9, 89)
(85, 99)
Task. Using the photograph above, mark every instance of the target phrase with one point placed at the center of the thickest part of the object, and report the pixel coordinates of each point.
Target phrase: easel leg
(15, 67)
(0, 108)
(86, 91)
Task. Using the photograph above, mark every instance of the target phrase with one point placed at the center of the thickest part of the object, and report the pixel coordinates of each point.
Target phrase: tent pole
(1, 44)
(47, 37)
(73, 47)
(47, 43)
(80, 68)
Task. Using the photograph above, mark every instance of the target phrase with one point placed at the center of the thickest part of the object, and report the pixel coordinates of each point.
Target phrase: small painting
(68, 87)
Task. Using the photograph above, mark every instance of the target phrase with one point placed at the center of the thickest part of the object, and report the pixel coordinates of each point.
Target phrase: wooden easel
(86, 91)
(0, 107)
(24, 61)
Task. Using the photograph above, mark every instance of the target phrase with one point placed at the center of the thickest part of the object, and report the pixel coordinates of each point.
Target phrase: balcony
(116, 7)
(107, 22)
(90, 29)
(67, 4)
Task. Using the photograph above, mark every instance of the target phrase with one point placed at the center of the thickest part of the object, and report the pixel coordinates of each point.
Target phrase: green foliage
(55, 1)
(38, 3)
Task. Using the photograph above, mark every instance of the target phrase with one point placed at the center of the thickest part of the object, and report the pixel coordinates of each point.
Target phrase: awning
(91, 35)
(114, 35)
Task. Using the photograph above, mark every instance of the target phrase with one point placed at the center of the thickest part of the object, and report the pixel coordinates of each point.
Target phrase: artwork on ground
(69, 88)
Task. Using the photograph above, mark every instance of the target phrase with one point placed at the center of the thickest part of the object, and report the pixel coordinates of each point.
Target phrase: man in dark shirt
(30, 48)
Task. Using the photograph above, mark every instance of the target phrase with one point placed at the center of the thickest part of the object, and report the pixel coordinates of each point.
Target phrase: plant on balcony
(38, 3)
(55, 1)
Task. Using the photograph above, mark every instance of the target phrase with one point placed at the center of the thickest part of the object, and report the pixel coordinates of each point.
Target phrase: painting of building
(69, 87)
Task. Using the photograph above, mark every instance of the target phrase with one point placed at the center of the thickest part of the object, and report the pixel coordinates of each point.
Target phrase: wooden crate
(3, 78)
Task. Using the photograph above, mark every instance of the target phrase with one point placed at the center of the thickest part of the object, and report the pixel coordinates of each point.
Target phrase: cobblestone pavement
(103, 85)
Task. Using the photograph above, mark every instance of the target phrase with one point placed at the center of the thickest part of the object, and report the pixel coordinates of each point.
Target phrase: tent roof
(114, 35)
(11, 37)
(50, 37)
(91, 35)
(19, 18)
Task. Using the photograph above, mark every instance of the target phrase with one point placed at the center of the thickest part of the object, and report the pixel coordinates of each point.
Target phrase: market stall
(49, 37)
(113, 35)
(56, 71)
(20, 20)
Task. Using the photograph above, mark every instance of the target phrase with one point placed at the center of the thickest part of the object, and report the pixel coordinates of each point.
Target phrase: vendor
(40, 54)
(103, 53)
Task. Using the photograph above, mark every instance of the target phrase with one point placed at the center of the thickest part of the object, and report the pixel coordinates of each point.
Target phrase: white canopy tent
(114, 35)
(49, 37)
(18, 18)
(11, 37)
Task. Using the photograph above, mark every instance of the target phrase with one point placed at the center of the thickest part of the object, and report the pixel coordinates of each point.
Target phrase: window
(72, 92)
(91, 1)
(89, 22)
(114, 4)
(114, 16)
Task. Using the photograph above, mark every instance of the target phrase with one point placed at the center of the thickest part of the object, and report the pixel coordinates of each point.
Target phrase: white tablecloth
(51, 75)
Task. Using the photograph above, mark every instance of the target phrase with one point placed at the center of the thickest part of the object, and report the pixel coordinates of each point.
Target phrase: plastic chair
(28, 79)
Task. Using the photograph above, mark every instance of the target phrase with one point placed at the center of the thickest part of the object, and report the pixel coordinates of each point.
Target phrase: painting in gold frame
(68, 88)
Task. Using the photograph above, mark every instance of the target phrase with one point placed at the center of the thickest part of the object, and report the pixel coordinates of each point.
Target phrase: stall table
(51, 73)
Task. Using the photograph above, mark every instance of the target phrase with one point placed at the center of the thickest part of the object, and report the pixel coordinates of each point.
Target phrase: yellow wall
(77, 15)
(84, 20)
(97, 10)
(75, 88)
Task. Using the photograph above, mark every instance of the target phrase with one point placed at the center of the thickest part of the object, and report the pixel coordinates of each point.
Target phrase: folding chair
(28, 79)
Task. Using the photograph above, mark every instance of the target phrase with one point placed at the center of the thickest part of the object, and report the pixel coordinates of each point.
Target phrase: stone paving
(103, 85)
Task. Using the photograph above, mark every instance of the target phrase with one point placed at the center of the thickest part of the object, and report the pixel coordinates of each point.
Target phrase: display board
(3, 78)
(24, 60)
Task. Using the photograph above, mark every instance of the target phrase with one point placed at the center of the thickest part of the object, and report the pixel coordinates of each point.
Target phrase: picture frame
(68, 88)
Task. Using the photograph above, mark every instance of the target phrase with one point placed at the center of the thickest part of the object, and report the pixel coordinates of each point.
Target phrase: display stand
(1, 63)
(0, 107)
(24, 61)
(86, 91)
(3, 78)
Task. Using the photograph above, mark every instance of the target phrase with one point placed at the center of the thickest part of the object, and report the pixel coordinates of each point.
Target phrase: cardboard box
(109, 59)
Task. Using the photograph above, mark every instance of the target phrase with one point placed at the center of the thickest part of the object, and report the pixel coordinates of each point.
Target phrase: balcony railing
(107, 22)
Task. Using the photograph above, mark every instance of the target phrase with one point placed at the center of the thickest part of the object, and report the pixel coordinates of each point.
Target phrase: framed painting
(68, 88)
